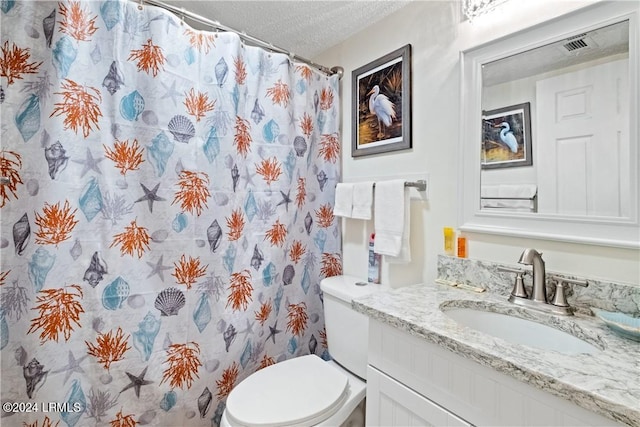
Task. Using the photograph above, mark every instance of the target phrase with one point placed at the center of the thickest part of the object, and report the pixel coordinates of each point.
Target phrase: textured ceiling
(599, 43)
(304, 27)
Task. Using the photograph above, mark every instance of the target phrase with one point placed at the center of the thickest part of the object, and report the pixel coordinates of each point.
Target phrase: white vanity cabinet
(411, 381)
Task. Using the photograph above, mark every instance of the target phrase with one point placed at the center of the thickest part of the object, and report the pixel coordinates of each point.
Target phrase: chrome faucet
(533, 257)
(538, 298)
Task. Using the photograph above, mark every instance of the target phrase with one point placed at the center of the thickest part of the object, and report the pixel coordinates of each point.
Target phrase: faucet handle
(518, 287)
(560, 299)
(562, 279)
(512, 270)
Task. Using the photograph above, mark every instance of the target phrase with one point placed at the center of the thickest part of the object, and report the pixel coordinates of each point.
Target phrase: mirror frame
(614, 232)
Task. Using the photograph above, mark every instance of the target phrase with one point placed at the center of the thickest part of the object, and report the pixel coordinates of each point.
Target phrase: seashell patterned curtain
(168, 216)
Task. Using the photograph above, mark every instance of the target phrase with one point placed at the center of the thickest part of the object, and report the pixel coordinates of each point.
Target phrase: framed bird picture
(506, 137)
(381, 113)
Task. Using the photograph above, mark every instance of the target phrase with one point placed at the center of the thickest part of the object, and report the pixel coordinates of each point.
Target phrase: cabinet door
(390, 403)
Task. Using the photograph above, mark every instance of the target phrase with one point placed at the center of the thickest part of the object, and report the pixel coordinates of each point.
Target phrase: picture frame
(506, 137)
(381, 118)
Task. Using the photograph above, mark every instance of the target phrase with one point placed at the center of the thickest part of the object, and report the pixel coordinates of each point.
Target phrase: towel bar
(4, 180)
(420, 185)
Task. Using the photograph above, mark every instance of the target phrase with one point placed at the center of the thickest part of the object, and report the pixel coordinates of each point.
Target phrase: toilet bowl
(306, 390)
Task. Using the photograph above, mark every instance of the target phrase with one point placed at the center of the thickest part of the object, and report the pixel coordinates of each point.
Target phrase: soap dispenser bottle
(449, 241)
(375, 262)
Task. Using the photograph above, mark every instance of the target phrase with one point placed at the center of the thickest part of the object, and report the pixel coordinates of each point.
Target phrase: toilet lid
(302, 391)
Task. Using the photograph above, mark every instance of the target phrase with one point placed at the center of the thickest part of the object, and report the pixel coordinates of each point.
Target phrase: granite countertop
(605, 382)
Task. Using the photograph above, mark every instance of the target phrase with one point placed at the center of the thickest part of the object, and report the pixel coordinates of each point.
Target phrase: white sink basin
(520, 331)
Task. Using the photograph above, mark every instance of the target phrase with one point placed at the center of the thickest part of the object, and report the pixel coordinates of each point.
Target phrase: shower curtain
(168, 215)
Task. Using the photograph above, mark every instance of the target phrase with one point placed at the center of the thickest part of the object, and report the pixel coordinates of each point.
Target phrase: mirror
(549, 147)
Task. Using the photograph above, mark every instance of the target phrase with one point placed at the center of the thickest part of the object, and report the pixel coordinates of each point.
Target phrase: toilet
(306, 390)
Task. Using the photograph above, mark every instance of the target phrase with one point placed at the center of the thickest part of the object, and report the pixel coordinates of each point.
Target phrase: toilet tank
(347, 330)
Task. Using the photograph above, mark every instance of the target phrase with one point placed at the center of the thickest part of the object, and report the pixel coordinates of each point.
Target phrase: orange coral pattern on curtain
(188, 271)
(242, 139)
(297, 318)
(279, 93)
(306, 125)
(80, 107)
(326, 99)
(331, 265)
(59, 310)
(133, 239)
(168, 214)
(150, 58)
(330, 147)
(236, 224)
(14, 62)
(263, 314)
(301, 195)
(270, 169)
(305, 72)
(240, 290)
(126, 155)
(109, 347)
(122, 420)
(277, 233)
(228, 380)
(198, 104)
(184, 363)
(266, 361)
(325, 216)
(240, 69)
(55, 224)
(46, 422)
(76, 22)
(297, 251)
(193, 191)
(200, 40)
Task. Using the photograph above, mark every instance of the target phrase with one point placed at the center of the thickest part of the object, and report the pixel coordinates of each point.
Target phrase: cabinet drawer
(390, 403)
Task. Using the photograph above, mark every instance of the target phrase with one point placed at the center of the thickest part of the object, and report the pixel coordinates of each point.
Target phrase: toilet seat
(302, 391)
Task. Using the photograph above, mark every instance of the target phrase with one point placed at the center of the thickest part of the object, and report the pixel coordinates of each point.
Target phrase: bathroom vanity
(427, 369)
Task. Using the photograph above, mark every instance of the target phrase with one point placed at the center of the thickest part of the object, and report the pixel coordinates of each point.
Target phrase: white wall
(437, 35)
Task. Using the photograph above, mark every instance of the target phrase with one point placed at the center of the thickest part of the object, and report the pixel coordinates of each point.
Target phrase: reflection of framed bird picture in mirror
(506, 137)
(381, 113)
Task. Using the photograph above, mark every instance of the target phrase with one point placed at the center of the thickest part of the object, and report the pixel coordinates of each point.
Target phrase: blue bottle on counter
(375, 262)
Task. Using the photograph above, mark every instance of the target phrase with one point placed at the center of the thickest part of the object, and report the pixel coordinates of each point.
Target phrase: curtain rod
(244, 36)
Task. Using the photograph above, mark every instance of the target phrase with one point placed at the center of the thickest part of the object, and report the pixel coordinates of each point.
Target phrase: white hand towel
(391, 222)
(362, 200)
(518, 190)
(511, 197)
(344, 200)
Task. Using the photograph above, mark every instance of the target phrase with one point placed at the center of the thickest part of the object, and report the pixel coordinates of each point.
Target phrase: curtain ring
(140, 6)
(182, 17)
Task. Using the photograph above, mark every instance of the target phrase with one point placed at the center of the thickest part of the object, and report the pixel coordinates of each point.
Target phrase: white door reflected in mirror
(584, 124)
